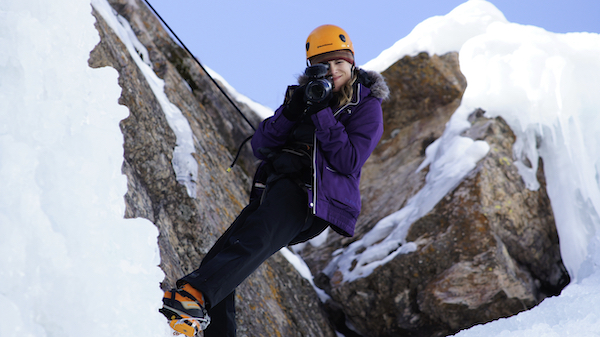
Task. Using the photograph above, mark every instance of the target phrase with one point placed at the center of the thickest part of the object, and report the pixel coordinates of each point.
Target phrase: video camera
(320, 86)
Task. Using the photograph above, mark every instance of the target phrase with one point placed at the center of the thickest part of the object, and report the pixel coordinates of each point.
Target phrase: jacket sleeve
(272, 132)
(347, 147)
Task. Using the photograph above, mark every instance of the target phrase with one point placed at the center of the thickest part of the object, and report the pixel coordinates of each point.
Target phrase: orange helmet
(327, 38)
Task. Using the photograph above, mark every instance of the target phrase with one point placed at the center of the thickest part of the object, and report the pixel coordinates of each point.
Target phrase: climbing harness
(213, 80)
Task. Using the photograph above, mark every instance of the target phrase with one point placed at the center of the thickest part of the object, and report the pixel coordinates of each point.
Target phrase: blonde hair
(347, 91)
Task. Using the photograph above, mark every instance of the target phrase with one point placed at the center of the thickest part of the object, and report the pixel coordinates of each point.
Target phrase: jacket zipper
(314, 164)
(314, 185)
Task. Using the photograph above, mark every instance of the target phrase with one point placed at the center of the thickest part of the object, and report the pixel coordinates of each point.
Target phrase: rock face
(489, 249)
(424, 92)
(275, 300)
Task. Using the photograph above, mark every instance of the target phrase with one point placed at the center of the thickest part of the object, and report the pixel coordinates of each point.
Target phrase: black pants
(261, 229)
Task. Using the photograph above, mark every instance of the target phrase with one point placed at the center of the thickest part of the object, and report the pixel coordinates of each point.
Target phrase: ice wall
(70, 264)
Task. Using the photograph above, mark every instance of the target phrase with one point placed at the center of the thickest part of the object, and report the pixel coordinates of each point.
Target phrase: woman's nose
(331, 68)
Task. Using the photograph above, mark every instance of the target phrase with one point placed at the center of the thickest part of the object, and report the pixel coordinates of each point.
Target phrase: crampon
(182, 324)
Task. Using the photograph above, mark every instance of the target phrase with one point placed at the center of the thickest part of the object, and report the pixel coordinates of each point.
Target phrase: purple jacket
(343, 141)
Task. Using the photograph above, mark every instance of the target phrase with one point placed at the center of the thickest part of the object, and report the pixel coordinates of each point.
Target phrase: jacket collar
(375, 82)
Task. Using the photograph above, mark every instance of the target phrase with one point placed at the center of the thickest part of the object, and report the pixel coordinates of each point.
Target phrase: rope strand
(200, 64)
(213, 80)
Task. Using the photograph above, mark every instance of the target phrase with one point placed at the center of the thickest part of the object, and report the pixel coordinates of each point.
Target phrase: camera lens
(318, 90)
(320, 87)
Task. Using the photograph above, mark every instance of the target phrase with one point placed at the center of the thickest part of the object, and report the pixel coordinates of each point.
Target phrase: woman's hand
(314, 107)
(295, 108)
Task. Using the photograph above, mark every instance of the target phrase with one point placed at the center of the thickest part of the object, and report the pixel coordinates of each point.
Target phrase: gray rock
(489, 249)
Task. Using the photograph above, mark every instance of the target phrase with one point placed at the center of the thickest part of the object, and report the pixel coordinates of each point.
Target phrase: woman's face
(341, 72)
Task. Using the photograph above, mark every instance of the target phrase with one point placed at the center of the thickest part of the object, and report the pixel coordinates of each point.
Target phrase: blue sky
(258, 46)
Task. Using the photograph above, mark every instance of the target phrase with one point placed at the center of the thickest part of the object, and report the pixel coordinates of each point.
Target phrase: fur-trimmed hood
(369, 78)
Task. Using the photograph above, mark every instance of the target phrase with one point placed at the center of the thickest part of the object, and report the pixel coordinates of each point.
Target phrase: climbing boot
(185, 309)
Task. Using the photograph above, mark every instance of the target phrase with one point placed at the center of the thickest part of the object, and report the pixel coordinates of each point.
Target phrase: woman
(312, 152)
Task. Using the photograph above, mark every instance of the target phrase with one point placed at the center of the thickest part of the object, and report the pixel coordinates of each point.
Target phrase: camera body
(320, 86)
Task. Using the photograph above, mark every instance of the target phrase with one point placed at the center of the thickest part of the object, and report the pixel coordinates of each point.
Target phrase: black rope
(200, 64)
(239, 151)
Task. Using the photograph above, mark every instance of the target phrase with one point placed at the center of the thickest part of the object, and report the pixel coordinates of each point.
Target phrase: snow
(184, 164)
(441, 34)
(261, 110)
(304, 271)
(553, 81)
(70, 264)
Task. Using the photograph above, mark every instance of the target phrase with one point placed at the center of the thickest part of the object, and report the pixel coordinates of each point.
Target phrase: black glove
(294, 109)
(314, 107)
